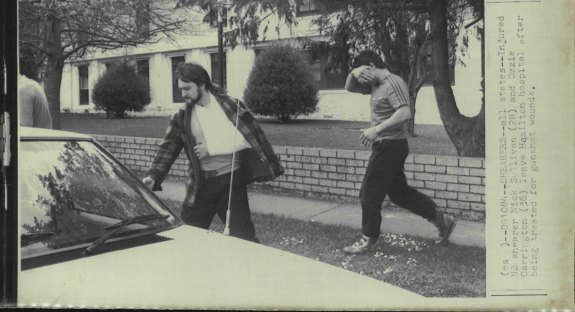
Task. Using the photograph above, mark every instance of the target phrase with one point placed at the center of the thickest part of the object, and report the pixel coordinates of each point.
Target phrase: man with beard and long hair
(206, 128)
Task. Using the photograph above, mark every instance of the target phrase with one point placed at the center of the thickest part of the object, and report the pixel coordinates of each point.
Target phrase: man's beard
(192, 102)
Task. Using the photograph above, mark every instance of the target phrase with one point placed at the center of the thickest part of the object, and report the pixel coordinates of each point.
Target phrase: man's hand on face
(368, 136)
(357, 71)
(201, 150)
(364, 74)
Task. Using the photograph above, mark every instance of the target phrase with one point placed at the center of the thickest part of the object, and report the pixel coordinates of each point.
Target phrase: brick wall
(456, 184)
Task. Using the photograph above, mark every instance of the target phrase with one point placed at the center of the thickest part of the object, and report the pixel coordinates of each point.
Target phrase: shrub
(281, 85)
(120, 90)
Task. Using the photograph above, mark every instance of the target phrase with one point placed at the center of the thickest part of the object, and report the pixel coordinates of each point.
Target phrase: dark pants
(384, 176)
(212, 198)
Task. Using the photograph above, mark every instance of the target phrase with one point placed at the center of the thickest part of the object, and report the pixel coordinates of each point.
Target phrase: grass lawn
(333, 134)
(411, 263)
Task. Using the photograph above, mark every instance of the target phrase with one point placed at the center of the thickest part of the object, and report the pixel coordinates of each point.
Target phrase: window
(329, 74)
(73, 191)
(111, 65)
(143, 19)
(314, 63)
(334, 74)
(328, 68)
(176, 93)
(216, 70)
(306, 7)
(83, 82)
(143, 69)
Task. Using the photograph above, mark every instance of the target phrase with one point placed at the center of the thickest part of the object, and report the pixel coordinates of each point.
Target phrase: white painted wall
(70, 86)
(333, 104)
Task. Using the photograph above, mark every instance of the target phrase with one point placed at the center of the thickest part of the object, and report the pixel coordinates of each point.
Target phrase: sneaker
(445, 224)
(361, 246)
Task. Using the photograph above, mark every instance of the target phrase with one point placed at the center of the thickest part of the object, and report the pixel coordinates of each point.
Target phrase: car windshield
(71, 191)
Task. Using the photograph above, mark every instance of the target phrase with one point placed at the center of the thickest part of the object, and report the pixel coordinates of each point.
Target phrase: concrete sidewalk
(393, 221)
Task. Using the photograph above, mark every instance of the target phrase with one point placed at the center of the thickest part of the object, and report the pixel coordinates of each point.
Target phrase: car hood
(197, 268)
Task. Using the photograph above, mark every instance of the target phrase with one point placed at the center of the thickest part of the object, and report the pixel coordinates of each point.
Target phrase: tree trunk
(466, 133)
(411, 85)
(414, 84)
(54, 68)
(411, 122)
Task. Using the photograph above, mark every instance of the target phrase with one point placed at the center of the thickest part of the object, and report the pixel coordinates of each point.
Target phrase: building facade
(156, 63)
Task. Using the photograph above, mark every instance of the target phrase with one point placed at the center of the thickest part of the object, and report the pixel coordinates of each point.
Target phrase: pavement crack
(330, 209)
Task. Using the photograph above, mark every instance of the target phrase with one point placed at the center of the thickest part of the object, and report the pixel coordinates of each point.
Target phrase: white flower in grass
(384, 256)
(291, 241)
(400, 241)
(411, 262)
(346, 262)
(387, 271)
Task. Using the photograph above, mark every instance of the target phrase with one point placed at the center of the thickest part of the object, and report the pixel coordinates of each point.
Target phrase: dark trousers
(212, 198)
(384, 176)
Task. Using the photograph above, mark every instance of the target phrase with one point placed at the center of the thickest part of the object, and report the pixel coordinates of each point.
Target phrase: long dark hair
(191, 72)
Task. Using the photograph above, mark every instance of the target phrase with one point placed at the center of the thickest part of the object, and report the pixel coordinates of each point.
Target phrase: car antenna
(228, 211)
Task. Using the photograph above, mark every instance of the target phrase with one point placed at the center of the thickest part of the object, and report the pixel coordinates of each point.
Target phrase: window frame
(327, 81)
(84, 93)
(176, 94)
(146, 76)
(143, 19)
(308, 11)
(111, 64)
(215, 70)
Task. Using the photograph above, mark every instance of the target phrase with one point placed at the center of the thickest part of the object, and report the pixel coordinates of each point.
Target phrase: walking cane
(228, 212)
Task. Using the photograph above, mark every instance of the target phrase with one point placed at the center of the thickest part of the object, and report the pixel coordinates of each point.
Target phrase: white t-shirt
(34, 111)
(221, 136)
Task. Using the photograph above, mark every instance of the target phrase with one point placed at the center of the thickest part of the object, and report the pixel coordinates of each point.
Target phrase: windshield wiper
(31, 237)
(112, 229)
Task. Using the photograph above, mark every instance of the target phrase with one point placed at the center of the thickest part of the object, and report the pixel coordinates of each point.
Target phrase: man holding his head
(387, 137)
(206, 129)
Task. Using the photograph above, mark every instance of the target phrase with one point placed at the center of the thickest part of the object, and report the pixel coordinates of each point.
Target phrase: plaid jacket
(259, 163)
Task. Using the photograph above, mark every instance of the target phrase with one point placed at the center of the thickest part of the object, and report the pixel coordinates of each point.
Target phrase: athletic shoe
(363, 245)
(445, 224)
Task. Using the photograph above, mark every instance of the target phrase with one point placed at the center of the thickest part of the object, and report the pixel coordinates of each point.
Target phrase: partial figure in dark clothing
(34, 111)
(206, 129)
(387, 138)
